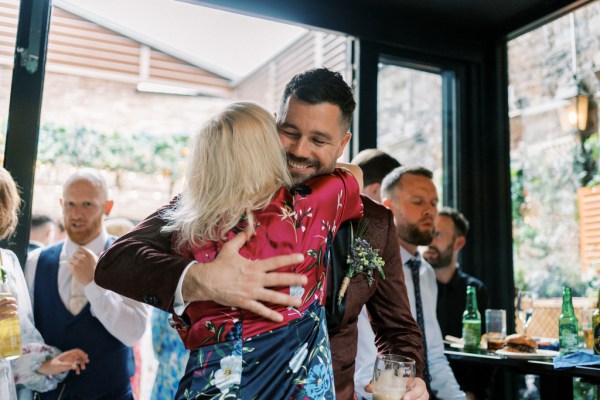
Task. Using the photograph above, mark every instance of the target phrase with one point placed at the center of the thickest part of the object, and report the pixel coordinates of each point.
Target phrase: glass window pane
(554, 161)
(409, 117)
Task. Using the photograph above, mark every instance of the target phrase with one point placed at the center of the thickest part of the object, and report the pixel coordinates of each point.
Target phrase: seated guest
(41, 233)
(451, 228)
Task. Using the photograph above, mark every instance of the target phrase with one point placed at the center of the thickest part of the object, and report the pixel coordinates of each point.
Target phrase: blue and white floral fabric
(238, 368)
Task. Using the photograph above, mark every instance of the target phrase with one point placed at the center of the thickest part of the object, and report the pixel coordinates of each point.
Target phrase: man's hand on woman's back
(233, 280)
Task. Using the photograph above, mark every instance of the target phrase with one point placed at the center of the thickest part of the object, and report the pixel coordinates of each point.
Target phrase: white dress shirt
(443, 382)
(124, 318)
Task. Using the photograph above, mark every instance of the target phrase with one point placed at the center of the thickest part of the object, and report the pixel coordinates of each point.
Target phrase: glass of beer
(10, 333)
(495, 327)
(392, 376)
(586, 326)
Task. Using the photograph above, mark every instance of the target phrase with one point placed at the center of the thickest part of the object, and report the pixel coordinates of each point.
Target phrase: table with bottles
(554, 383)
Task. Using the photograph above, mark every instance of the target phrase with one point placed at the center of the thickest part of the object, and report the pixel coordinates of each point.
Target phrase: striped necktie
(415, 264)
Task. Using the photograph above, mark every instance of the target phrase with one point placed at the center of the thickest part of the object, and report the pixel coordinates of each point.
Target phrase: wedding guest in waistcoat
(70, 310)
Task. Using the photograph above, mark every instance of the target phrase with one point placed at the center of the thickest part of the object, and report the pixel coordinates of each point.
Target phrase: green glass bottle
(471, 322)
(567, 325)
(596, 326)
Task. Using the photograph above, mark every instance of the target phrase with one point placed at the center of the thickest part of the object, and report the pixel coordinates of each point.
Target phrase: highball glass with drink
(495, 328)
(392, 376)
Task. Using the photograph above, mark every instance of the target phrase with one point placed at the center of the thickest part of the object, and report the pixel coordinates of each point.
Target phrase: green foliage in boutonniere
(363, 258)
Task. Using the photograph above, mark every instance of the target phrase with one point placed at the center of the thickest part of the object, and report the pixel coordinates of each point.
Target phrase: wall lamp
(576, 97)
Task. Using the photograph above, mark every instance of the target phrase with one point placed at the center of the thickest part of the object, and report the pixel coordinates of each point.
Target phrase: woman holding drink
(25, 361)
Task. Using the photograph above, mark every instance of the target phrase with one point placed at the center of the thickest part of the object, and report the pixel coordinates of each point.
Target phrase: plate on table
(461, 346)
(540, 353)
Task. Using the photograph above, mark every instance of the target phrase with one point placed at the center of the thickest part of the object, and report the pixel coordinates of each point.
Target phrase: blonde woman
(237, 180)
(40, 367)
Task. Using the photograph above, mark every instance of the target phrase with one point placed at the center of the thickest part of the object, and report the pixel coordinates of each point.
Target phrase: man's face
(414, 205)
(313, 138)
(84, 207)
(441, 250)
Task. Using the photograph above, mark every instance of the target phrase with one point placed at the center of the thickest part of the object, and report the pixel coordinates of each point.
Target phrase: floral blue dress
(236, 354)
(170, 354)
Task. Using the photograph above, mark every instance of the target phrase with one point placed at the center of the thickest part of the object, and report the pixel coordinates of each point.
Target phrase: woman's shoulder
(8, 256)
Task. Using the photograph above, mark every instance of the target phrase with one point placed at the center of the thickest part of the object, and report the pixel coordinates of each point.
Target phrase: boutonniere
(363, 259)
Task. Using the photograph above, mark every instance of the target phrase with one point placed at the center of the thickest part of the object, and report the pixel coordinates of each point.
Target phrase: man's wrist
(193, 287)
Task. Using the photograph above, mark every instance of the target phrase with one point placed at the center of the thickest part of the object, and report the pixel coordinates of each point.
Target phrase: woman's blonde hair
(10, 201)
(236, 166)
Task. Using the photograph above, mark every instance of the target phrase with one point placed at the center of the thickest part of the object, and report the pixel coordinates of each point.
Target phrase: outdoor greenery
(544, 206)
(116, 152)
(586, 165)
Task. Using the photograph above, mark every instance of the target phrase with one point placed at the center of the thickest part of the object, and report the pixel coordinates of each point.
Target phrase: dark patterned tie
(415, 264)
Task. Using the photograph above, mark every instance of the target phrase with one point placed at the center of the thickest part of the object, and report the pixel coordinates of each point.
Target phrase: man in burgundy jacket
(313, 123)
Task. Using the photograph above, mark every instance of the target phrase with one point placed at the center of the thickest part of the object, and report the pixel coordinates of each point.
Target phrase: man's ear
(345, 141)
(387, 202)
(459, 243)
(108, 207)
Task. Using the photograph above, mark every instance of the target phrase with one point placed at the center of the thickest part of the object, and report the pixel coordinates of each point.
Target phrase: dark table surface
(554, 383)
(526, 366)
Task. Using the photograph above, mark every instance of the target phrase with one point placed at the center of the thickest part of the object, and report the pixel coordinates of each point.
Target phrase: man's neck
(412, 248)
(445, 274)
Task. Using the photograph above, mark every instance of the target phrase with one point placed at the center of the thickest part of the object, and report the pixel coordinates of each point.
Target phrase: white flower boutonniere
(363, 258)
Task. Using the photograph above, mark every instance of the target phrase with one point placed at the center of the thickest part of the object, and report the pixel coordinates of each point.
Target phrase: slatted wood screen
(314, 49)
(589, 227)
(80, 47)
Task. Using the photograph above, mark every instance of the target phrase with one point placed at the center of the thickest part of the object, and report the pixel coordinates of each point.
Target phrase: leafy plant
(117, 152)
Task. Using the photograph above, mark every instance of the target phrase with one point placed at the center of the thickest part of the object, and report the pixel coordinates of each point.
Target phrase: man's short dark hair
(375, 164)
(321, 85)
(461, 224)
(38, 220)
(393, 178)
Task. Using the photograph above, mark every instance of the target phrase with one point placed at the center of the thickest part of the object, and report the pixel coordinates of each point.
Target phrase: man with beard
(411, 195)
(451, 228)
(313, 121)
(71, 311)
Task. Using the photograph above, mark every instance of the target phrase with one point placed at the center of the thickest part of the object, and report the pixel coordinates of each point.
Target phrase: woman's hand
(8, 307)
(74, 359)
